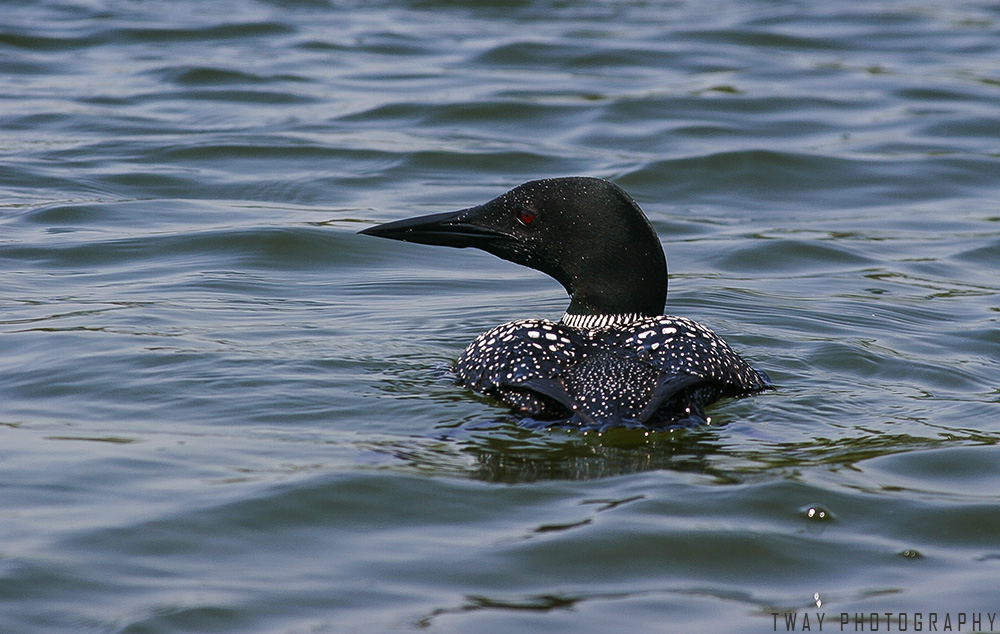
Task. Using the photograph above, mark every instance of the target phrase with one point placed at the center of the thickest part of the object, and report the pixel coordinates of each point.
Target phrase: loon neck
(599, 322)
(602, 289)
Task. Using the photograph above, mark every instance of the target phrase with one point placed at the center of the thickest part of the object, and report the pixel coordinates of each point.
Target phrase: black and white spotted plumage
(652, 372)
(613, 359)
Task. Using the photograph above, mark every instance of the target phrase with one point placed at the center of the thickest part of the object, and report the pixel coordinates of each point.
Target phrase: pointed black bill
(450, 229)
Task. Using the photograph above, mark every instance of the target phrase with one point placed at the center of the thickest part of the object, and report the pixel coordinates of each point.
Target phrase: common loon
(613, 360)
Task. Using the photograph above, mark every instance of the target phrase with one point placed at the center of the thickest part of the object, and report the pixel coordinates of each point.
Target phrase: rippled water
(222, 410)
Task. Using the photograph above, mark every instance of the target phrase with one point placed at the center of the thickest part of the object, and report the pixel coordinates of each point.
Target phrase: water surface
(222, 410)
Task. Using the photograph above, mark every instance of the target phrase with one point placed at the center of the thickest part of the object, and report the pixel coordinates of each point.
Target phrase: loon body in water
(613, 360)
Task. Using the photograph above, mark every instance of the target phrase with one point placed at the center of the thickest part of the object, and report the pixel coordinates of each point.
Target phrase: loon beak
(450, 229)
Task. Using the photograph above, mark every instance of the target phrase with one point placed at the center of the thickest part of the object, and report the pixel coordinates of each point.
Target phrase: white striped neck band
(597, 322)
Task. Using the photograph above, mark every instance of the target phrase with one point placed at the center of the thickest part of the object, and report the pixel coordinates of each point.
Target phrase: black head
(587, 233)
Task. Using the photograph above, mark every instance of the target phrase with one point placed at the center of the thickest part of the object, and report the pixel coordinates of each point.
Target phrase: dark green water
(221, 410)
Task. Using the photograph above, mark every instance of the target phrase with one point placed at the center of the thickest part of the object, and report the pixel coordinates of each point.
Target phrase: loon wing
(680, 347)
(552, 388)
(667, 387)
(519, 363)
(555, 389)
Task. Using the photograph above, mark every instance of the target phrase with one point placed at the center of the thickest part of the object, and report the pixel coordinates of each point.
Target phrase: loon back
(654, 372)
(613, 359)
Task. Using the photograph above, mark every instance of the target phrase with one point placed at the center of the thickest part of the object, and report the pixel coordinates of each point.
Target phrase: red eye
(526, 217)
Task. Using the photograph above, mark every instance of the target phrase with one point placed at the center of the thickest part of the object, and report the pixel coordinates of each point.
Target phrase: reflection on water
(510, 457)
(507, 453)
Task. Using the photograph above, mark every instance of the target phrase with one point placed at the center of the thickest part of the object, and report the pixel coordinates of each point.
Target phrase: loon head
(586, 233)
